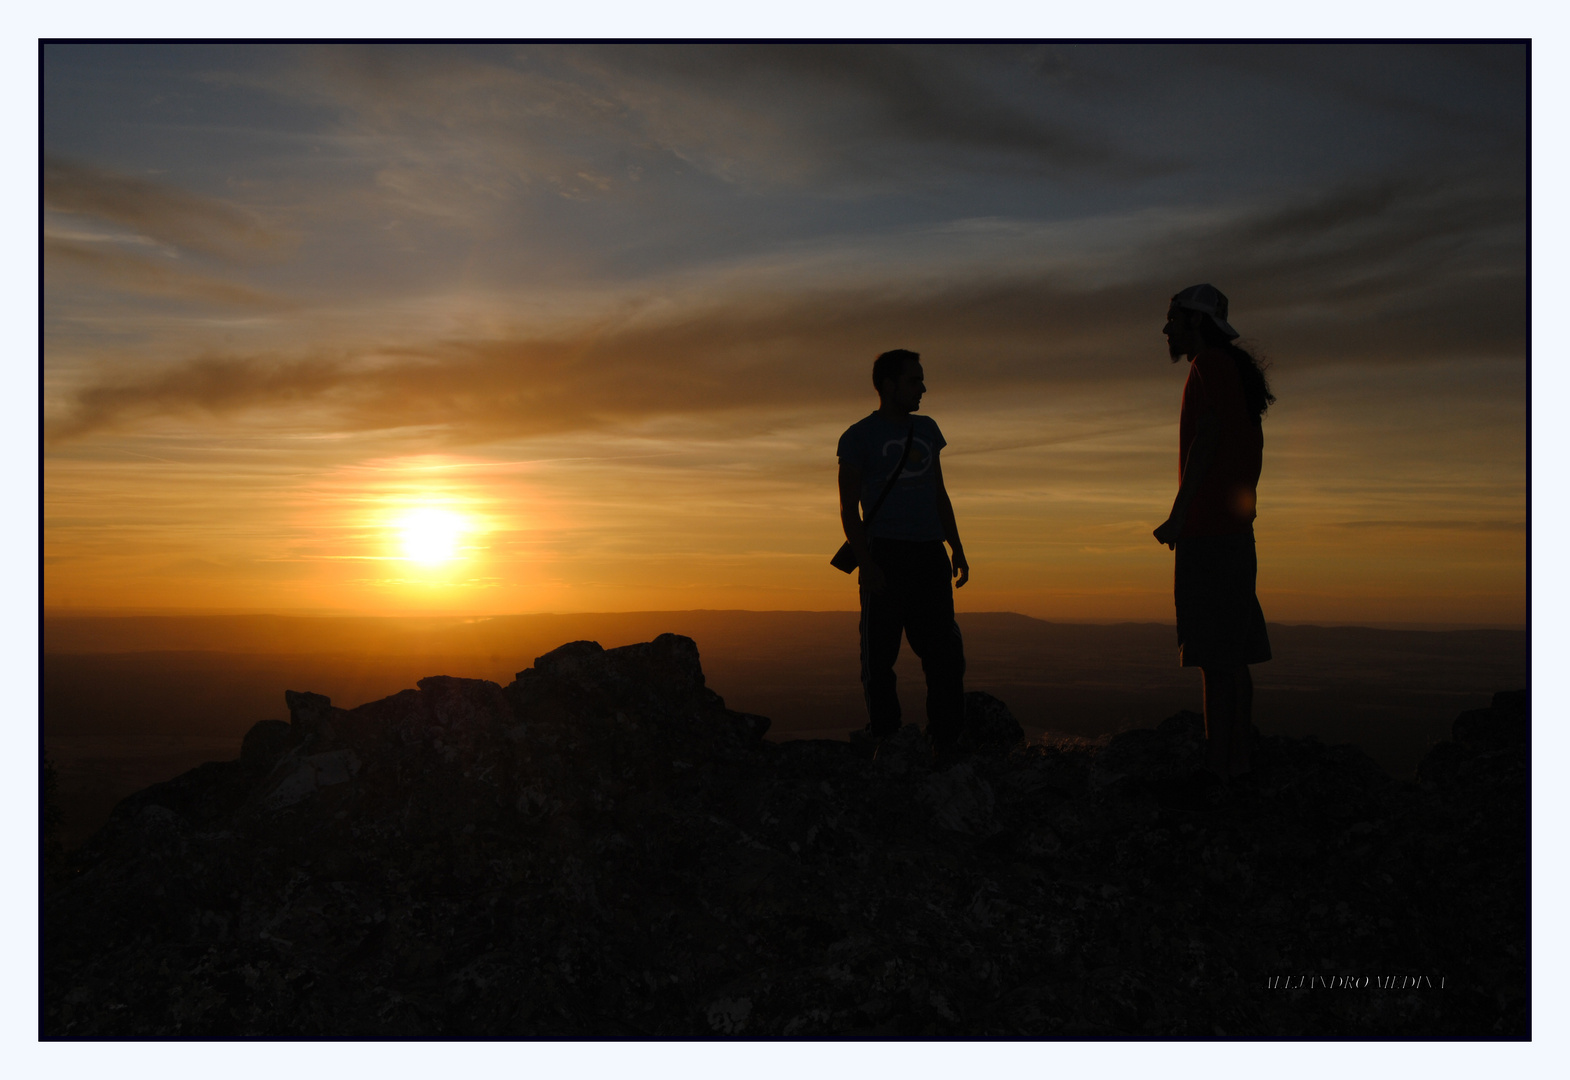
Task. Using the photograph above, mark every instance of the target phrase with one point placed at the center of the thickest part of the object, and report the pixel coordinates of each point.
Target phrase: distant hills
(114, 674)
(167, 690)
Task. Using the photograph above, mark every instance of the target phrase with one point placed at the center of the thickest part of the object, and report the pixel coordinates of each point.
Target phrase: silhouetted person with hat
(1221, 628)
(889, 467)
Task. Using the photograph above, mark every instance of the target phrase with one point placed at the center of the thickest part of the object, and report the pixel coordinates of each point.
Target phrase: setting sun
(431, 535)
(461, 398)
(437, 457)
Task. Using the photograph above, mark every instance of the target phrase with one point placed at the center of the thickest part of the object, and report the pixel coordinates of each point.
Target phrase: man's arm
(855, 531)
(951, 528)
(1194, 470)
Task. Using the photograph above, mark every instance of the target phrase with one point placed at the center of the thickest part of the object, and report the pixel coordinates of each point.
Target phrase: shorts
(1219, 620)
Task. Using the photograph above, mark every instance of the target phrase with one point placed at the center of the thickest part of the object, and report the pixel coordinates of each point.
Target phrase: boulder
(1503, 723)
(310, 715)
(990, 728)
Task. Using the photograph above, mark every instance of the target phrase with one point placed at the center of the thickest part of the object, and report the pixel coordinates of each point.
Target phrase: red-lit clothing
(1224, 503)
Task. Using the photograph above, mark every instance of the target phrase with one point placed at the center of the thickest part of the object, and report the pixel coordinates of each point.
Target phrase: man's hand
(872, 578)
(961, 568)
(1168, 531)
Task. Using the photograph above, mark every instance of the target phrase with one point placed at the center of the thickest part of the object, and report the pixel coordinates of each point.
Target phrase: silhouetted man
(1221, 629)
(905, 573)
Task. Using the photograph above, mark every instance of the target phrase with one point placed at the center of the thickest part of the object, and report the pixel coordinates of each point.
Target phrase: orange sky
(611, 309)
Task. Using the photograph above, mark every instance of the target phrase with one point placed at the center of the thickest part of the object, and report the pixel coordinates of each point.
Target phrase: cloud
(1446, 525)
(1386, 271)
(209, 384)
(806, 350)
(122, 270)
(854, 104)
(458, 133)
(159, 211)
(453, 129)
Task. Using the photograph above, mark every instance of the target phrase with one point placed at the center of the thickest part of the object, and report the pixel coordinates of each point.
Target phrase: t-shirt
(1224, 503)
(873, 445)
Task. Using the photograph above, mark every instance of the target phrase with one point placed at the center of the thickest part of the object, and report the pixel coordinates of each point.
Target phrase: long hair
(1250, 370)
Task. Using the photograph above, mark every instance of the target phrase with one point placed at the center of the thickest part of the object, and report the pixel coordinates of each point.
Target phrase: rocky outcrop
(603, 848)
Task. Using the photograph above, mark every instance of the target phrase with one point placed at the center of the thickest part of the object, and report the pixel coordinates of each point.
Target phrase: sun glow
(431, 535)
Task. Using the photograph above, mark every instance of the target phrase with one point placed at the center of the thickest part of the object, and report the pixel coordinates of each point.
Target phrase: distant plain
(129, 701)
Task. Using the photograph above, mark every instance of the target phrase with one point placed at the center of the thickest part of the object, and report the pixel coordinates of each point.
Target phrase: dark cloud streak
(215, 385)
(1446, 525)
(158, 211)
(119, 269)
(809, 351)
(1391, 269)
(913, 93)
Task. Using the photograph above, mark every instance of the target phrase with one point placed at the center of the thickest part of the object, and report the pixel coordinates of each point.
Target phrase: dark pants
(1219, 620)
(918, 602)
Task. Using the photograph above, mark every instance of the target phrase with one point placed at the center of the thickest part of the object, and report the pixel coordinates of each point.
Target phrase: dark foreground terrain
(133, 701)
(601, 848)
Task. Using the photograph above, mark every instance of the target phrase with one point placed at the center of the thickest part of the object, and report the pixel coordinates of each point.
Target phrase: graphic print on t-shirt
(917, 464)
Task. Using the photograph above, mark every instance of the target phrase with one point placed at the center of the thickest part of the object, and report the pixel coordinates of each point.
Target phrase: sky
(514, 328)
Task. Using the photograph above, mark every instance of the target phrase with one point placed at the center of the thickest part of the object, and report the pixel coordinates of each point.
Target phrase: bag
(844, 559)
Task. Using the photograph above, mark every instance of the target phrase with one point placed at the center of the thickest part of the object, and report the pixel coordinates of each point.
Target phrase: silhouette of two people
(897, 516)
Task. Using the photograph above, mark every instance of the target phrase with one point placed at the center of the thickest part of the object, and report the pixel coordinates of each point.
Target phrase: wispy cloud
(1445, 525)
(1395, 294)
(131, 235)
(1397, 265)
(119, 269)
(214, 386)
(454, 130)
(158, 211)
(853, 108)
(652, 278)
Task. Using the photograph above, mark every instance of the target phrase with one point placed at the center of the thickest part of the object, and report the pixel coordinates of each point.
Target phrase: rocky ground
(601, 848)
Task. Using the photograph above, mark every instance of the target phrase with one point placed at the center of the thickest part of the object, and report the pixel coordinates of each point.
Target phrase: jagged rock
(305, 774)
(989, 726)
(309, 714)
(602, 848)
(265, 743)
(906, 751)
(961, 801)
(1479, 735)
(1503, 723)
(566, 661)
(1186, 726)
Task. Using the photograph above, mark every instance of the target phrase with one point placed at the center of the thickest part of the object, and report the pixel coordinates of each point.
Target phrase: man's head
(1196, 317)
(898, 376)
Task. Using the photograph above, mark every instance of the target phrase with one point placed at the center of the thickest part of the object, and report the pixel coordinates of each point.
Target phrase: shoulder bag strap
(904, 457)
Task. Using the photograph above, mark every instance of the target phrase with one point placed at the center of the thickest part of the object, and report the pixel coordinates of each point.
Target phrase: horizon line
(240, 613)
